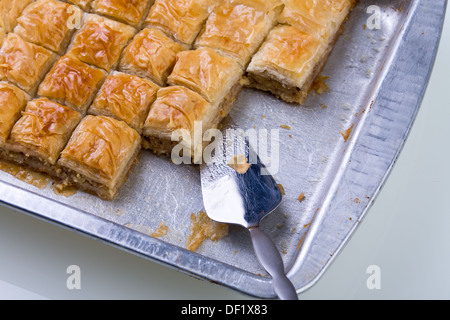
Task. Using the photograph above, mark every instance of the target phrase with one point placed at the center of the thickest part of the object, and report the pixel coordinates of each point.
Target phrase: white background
(406, 234)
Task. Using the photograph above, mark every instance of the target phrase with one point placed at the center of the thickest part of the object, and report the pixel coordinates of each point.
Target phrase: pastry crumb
(239, 163)
(280, 186)
(160, 231)
(320, 85)
(202, 228)
(346, 133)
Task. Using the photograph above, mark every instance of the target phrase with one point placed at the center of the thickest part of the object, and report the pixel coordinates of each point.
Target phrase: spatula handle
(270, 259)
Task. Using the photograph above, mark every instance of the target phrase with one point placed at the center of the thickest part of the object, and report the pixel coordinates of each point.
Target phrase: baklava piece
(72, 83)
(128, 11)
(47, 23)
(100, 155)
(295, 53)
(100, 41)
(40, 135)
(320, 17)
(216, 78)
(83, 4)
(12, 102)
(125, 97)
(10, 10)
(287, 63)
(236, 29)
(23, 63)
(176, 114)
(151, 54)
(180, 19)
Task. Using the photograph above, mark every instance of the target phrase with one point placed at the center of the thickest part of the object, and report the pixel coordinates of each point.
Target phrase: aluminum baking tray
(377, 78)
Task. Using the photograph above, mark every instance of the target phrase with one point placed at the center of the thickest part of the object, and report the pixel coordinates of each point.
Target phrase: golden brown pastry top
(44, 128)
(83, 4)
(100, 41)
(181, 19)
(12, 102)
(10, 10)
(126, 97)
(260, 5)
(128, 11)
(2, 36)
(314, 16)
(21, 62)
(236, 30)
(71, 81)
(151, 54)
(45, 23)
(176, 107)
(289, 53)
(206, 72)
(101, 146)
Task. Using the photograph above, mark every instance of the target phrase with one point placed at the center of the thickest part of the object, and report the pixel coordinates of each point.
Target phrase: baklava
(12, 101)
(127, 11)
(100, 41)
(287, 63)
(24, 63)
(174, 115)
(83, 4)
(236, 29)
(72, 83)
(215, 77)
(125, 97)
(296, 50)
(40, 134)
(151, 54)
(10, 10)
(100, 155)
(47, 23)
(320, 17)
(180, 19)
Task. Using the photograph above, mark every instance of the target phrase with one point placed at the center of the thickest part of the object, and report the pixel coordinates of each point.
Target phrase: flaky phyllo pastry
(87, 85)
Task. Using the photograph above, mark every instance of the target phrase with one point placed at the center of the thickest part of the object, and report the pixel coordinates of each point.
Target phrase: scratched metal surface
(377, 80)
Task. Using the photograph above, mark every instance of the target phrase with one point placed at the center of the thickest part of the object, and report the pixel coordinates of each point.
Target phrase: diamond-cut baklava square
(100, 155)
(24, 63)
(208, 73)
(287, 63)
(42, 132)
(125, 97)
(151, 54)
(46, 23)
(177, 108)
(100, 41)
(236, 29)
(12, 102)
(128, 11)
(320, 17)
(180, 19)
(72, 83)
(10, 10)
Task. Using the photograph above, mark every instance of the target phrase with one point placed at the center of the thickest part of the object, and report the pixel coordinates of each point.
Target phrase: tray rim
(215, 271)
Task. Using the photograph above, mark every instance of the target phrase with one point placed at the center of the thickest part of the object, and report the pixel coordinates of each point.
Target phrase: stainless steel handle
(270, 259)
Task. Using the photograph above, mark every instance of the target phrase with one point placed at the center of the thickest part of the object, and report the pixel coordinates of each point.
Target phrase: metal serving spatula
(244, 199)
